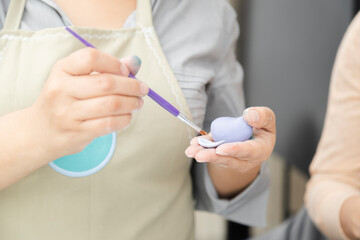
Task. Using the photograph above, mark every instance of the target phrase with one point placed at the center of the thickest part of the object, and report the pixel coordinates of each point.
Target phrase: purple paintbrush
(153, 95)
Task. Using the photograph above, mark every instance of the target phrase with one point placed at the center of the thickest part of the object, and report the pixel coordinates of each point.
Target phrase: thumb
(133, 63)
(260, 117)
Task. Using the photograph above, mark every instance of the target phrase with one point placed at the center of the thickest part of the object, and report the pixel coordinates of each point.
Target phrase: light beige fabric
(145, 190)
(335, 169)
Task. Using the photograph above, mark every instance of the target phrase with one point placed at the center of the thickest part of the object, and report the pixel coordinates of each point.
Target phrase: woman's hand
(233, 166)
(350, 217)
(88, 94)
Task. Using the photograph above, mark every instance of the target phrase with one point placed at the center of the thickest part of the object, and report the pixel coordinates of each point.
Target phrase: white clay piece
(209, 144)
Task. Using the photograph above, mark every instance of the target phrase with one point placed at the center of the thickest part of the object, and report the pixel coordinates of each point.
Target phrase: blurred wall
(287, 48)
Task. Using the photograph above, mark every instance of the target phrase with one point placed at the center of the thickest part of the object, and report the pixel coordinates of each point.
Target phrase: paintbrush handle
(86, 43)
(153, 95)
(161, 101)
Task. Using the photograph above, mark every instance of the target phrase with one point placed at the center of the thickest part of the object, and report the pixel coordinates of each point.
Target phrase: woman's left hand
(241, 156)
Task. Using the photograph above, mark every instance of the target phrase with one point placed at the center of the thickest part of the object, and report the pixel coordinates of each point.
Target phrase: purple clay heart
(226, 130)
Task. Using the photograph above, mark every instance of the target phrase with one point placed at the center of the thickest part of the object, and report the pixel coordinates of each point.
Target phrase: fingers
(106, 106)
(194, 141)
(210, 156)
(258, 149)
(88, 60)
(103, 126)
(193, 150)
(237, 155)
(260, 117)
(97, 85)
(133, 63)
(248, 150)
(242, 150)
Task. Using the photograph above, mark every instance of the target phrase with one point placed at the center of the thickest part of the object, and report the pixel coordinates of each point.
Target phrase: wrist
(21, 153)
(31, 136)
(229, 182)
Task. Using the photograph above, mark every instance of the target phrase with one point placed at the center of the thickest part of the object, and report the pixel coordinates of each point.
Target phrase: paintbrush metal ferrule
(191, 124)
(202, 132)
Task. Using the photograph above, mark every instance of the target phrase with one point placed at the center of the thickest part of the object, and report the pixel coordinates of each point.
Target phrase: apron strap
(14, 14)
(144, 13)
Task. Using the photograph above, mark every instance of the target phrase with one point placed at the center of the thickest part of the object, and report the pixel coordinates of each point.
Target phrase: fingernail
(189, 155)
(143, 89)
(123, 69)
(222, 153)
(251, 116)
(136, 63)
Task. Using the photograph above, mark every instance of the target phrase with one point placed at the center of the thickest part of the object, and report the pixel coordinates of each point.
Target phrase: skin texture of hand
(233, 166)
(350, 217)
(88, 94)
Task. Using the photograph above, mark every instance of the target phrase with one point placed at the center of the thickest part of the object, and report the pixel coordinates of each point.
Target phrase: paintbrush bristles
(202, 132)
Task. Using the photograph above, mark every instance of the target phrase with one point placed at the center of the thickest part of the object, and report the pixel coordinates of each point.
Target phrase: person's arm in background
(333, 192)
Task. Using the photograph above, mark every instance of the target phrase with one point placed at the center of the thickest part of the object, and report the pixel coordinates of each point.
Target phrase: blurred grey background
(287, 48)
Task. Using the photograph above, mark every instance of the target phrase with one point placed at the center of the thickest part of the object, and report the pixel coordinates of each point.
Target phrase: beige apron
(145, 190)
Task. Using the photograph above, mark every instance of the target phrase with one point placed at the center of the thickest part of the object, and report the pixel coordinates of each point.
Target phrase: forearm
(20, 152)
(229, 182)
(324, 198)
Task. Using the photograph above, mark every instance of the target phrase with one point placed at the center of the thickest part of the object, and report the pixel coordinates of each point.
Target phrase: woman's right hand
(88, 94)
